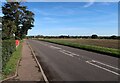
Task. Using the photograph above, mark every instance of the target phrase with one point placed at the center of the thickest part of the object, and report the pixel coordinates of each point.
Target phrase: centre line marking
(103, 68)
(106, 65)
(55, 47)
(72, 55)
(66, 53)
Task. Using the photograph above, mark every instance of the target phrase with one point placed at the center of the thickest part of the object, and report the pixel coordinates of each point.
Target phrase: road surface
(63, 63)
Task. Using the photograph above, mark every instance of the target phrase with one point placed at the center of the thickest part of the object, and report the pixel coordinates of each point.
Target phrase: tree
(94, 36)
(16, 20)
(27, 22)
(9, 29)
(113, 37)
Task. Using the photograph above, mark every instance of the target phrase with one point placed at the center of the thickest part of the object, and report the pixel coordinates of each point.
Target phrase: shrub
(8, 47)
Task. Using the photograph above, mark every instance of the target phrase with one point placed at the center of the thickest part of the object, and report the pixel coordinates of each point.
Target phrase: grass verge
(11, 65)
(103, 50)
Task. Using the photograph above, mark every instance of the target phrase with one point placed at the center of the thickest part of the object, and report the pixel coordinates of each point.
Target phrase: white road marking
(106, 65)
(54, 47)
(66, 53)
(102, 68)
(71, 53)
(43, 44)
(89, 62)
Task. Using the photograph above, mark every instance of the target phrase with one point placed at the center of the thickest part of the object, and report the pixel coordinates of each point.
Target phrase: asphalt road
(62, 63)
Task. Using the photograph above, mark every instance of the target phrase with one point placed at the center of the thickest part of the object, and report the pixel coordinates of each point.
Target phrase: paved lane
(71, 64)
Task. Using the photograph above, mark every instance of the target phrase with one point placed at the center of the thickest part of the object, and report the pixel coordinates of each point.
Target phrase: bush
(8, 47)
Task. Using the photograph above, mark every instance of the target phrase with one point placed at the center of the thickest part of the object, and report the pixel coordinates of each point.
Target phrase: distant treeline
(63, 36)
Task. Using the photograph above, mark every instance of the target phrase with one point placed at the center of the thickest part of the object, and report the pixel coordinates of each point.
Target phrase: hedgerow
(8, 47)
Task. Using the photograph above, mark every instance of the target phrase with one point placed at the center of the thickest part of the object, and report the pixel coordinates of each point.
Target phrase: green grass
(103, 50)
(11, 65)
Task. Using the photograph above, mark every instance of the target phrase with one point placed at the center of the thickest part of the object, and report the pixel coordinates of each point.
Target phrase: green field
(104, 46)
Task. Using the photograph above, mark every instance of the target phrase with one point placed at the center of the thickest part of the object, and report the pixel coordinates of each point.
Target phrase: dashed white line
(103, 68)
(66, 53)
(106, 65)
(89, 62)
(70, 52)
(54, 47)
(44, 44)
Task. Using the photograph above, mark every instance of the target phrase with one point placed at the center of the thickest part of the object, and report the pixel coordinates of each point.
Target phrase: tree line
(94, 36)
(17, 20)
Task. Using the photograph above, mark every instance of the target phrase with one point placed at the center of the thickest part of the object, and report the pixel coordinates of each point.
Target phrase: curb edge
(40, 67)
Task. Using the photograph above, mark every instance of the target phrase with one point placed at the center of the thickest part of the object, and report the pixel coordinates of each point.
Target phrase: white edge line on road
(44, 76)
(103, 68)
(106, 65)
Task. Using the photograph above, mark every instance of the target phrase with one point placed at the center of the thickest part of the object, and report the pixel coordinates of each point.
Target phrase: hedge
(8, 47)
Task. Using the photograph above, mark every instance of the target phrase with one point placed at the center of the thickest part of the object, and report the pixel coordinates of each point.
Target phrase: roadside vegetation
(8, 47)
(104, 46)
(16, 22)
(11, 64)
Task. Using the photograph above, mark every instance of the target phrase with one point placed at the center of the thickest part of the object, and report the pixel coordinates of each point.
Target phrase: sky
(74, 18)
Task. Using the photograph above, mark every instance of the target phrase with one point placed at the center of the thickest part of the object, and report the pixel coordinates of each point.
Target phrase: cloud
(91, 2)
(51, 12)
(38, 11)
(49, 20)
(58, 7)
(106, 3)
